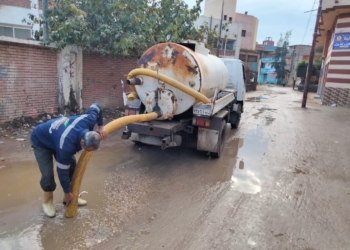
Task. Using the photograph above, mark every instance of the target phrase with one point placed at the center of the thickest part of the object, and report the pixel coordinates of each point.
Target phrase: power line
(308, 22)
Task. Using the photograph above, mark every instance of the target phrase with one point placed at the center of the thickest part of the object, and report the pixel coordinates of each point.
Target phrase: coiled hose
(72, 208)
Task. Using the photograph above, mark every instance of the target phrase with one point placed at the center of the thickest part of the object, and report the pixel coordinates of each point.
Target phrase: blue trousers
(44, 157)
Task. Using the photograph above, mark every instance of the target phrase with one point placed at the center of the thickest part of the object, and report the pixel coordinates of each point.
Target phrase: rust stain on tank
(174, 54)
(192, 69)
(146, 57)
(159, 57)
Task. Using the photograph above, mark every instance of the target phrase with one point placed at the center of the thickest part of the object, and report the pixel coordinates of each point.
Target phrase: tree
(207, 35)
(280, 60)
(121, 27)
(301, 69)
(303, 65)
(318, 63)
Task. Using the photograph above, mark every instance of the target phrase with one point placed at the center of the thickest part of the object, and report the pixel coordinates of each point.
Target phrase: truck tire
(221, 141)
(235, 117)
(137, 142)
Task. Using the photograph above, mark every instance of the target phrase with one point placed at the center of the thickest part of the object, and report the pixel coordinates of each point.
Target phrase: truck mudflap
(209, 138)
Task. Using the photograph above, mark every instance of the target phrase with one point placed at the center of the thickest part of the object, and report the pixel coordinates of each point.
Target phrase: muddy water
(122, 179)
(257, 196)
(249, 172)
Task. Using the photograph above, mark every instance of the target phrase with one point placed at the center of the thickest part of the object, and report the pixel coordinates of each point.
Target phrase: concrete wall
(339, 96)
(12, 13)
(297, 52)
(250, 25)
(70, 82)
(102, 79)
(28, 80)
(18, 3)
(234, 29)
(334, 83)
(213, 8)
(233, 33)
(338, 74)
(328, 4)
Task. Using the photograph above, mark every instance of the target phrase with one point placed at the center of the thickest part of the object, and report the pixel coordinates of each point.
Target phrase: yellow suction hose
(168, 80)
(132, 96)
(72, 209)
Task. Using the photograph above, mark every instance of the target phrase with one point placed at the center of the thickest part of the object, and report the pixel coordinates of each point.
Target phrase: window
(225, 17)
(230, 45)
(242, 57)
(22, 33)
(15, 32)
(252, 58)
(243, 33)
(6, 31)
(230, 19)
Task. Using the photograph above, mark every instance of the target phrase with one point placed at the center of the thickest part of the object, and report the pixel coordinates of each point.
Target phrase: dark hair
(92, 139)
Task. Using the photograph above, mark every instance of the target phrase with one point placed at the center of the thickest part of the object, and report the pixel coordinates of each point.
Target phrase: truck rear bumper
(157, 133)
(164, 143)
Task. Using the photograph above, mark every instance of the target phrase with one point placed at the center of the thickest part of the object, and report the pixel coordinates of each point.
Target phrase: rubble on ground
(19, 128)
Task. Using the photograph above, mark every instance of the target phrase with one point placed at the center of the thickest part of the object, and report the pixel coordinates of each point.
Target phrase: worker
(62, 138)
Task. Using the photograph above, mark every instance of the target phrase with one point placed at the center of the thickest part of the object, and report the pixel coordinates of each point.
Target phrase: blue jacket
(63, 136)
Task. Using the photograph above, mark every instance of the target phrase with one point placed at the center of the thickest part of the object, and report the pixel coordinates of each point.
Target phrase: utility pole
(217, 43)
(45, 28)
(311, 58)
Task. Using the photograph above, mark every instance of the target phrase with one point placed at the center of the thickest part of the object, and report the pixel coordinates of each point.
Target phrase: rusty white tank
(189, 63)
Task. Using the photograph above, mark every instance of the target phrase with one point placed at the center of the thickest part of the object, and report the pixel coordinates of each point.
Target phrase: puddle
(117, 189)
(268, 117)
(27, 239)
(242, 161)
(257, 98)
(299, 171)
(253, 99)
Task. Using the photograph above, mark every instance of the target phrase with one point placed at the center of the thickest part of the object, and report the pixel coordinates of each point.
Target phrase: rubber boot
(49, 208)
(81, 202)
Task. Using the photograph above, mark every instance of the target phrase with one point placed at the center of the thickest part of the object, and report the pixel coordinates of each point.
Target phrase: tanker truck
(196, 95)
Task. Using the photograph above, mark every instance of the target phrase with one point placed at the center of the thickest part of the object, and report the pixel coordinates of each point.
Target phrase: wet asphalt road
(283, 183)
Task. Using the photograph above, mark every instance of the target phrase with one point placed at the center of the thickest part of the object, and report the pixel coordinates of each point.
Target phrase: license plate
(202, 111)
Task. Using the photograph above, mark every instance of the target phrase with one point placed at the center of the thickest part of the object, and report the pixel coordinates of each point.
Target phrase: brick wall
(28, 81)
(101, 79)
(17, 3)
(339, 96)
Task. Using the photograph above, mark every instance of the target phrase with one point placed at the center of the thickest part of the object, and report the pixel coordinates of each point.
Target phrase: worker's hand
(102, 131)
(68, 198)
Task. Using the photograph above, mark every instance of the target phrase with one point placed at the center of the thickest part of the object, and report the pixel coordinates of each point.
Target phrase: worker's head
(90, 141)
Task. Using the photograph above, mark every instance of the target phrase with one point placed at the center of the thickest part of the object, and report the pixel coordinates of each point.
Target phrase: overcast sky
(278, 16)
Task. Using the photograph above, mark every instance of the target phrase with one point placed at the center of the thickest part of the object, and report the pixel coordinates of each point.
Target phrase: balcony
(268, 60)
(267, 70)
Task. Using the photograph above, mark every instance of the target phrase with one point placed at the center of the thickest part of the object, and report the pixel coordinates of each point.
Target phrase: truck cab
(236, 78)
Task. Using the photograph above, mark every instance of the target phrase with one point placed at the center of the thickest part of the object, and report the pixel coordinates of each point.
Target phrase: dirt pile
(22, 126)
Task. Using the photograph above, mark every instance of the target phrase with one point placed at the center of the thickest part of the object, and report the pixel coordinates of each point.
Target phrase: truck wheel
(235, 117)
(221, 141)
